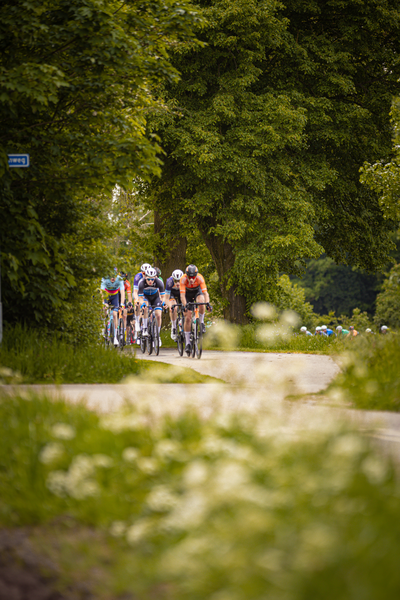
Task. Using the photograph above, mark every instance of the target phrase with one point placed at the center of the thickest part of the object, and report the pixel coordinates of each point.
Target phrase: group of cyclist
(149, 292)
(341, 332)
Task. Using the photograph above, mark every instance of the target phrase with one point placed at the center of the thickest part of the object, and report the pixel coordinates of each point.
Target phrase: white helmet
(144, 267)
(150, 272)
(383, 328)
(303, 328)
(318, 328)
(368, 330)
(177, 274)
(339, 328)
(324, 327)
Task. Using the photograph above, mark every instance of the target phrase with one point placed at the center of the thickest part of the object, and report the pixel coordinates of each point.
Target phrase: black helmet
(192, 271)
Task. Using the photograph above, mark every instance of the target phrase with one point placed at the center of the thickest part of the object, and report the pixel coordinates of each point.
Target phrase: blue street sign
(18, 160)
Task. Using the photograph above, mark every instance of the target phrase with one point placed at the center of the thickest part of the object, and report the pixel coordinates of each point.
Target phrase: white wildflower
(130, 454)
(147, 464)
(263, 311)
(51, 452)
(63, 431)
(102, 460)
(167, 449)
(137, 532)
(161, 498)
(375, 469)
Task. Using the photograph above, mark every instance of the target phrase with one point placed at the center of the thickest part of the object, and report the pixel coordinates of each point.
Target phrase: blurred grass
(370, 378)
(29, 357)
(182, 508)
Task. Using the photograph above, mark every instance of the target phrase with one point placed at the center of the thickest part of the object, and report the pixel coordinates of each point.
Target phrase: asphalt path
(281, 385)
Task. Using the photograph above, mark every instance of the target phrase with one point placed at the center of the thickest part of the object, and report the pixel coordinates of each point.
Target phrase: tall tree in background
(74, 94)
(267, 130)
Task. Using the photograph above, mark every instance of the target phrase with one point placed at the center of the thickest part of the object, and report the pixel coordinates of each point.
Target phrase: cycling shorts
(175, 294)
(155, 301)
(113, 301)
(192, 293)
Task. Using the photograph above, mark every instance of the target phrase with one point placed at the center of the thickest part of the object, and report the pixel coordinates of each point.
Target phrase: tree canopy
(266, 131)
(75, 91)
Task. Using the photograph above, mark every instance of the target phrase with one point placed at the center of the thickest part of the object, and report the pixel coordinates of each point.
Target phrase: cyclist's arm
(203, 288)
(122, 292)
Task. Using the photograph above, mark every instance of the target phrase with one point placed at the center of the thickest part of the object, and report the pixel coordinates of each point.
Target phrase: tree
(267, 129)
(75, 81)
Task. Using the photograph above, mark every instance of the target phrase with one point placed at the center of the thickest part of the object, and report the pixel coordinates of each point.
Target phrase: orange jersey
(185, 284)
(127, 287)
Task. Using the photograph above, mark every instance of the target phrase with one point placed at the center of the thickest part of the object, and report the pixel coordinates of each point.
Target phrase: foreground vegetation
(176, 507)
(370, 378)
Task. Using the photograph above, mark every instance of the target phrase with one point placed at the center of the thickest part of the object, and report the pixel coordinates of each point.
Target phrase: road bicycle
(196, 333)
(109, 328)
(130, 324)
(180, 334)
(152, 340)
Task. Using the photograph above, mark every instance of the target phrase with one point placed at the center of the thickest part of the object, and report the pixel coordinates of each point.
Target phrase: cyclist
(128, 310)
(384, 329)
(113, 286)
(341, 331)
(151, 291)
(352, 332)
(158, 273)
(172, 298)
(328, 332)
(193, 289)
(305, 330)
(136, 281)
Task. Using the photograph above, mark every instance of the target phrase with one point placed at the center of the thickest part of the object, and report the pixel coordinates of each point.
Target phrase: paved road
(255, 382)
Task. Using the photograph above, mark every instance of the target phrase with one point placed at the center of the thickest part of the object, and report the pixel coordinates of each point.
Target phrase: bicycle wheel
(121, 334)
(149, 339)
(194, 339)
(142, 339)
(155, 336)
(199, 339)
(111, 334)
(180, 336)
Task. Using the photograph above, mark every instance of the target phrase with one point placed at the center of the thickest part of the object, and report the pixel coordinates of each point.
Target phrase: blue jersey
(112, 288)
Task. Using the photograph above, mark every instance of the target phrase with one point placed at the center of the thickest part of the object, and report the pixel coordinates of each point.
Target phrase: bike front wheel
(156, 338)
(199, 339)
(180, 338)
(149, 340)
(121, 334)
(142, 339)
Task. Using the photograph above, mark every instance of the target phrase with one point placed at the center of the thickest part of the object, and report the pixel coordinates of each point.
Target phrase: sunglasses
(149, 278)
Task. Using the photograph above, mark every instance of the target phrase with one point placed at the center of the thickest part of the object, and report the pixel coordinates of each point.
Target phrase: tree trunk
(224, 258)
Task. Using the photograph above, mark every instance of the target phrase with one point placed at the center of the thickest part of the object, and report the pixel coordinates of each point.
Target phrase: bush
(292, 297)
(388, 301)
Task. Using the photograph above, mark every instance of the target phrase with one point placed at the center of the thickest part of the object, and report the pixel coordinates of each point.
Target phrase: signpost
(18, 160)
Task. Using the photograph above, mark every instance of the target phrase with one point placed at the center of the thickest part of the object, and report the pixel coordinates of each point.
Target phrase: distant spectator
(305, 330)
(327, 331)
(384, 329)
(352, 332)
(341, 332)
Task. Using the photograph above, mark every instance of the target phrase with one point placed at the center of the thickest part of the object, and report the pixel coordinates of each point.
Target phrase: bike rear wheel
(112, 333)
(156, 338)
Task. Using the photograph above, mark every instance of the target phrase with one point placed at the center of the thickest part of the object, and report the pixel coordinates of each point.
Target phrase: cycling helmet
(339, 328)
(324, 327)
(383, 328)
(351, 327)
(150, 273)
(303, 328)
(144, 267)
(123, 275)
(318, 328)
(177, 274)
(368, 330)
(192, 271)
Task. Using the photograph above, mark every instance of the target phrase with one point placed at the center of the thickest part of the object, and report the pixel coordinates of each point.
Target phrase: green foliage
(266, 132)
(370, 379)
(388, 301)
(293, 298)
(230, 506)
(75, 91)
(384, 176)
